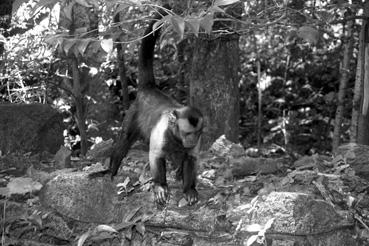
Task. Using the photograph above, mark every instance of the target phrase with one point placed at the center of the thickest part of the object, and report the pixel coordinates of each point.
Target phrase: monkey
(173, 130)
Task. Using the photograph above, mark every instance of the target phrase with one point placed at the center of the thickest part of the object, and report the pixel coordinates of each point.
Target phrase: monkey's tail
(146, 54)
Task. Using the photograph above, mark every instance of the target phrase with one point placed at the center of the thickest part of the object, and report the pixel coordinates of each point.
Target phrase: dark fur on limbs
(173, 130)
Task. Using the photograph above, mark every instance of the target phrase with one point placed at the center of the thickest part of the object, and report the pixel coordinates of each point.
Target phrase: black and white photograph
(184, 123)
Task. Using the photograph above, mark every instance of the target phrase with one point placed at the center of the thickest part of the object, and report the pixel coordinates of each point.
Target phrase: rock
(57, 226)
(299, 219)
(3, 182)
(20, 187)
(39, 175)
(30, 128)
(252, 152)
(357, 156)
(209, 174)
(79, 197)
(62, 158)
(315, 161)
(247, 166)
(101, 150)
(224, 147)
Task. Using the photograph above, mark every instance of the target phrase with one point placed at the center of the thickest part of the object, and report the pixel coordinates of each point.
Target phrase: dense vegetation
(291, 60)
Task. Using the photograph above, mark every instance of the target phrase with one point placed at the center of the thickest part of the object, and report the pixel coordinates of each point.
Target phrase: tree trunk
(360, 121)
(81, 104)
(122, 69)
(184, 51)
(358, 85)
(82, 18)
(260, 100)
(214, 86)
(363, 126)
(345, 76)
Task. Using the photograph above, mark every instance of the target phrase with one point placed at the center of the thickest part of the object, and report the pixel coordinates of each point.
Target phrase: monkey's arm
(189, 179)
(157, 160)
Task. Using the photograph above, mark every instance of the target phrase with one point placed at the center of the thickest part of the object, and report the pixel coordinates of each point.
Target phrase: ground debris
(315, 200)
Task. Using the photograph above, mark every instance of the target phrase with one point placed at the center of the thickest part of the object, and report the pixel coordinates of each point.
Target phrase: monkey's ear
(173, 117)
(176, 113)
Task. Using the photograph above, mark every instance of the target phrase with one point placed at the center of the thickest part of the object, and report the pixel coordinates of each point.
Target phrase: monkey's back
(151, 103)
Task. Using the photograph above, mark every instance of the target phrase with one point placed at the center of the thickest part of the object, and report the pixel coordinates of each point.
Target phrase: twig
(358, 218)
(327, 197)
(3, 235)
(7, 170)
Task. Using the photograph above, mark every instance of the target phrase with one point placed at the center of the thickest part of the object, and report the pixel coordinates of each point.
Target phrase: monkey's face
(190, 139)
(188, 133)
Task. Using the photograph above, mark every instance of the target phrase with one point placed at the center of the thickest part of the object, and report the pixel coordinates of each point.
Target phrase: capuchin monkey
(173, 130)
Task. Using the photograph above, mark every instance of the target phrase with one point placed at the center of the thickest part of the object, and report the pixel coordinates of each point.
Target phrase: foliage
(300, 71)
(27, 59)
(298, 44)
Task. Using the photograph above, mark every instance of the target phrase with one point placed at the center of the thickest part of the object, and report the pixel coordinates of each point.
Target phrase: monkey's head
(189, 125)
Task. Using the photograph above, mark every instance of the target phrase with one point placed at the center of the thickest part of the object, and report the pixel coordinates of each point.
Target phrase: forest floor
(267, 199)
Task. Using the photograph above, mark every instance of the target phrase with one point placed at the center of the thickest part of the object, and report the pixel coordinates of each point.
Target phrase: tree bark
(214, 86)
(260, 101)
(363, 119)
(345, 76)
(122, 69)
(184, 51)
(80, 105)
(363, 126)
(358, 86)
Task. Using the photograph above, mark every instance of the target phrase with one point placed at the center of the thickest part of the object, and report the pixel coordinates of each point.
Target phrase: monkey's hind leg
(128, 136)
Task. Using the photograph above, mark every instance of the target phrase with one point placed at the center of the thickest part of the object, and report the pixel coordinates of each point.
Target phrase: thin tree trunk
(77, 94)
(365, 103)
(81, 17)
(363, 130)
(260, 99)
(286, 134)
(80, 105)
(184, 51)
(345, 70)
(122, 69)
(358, 86)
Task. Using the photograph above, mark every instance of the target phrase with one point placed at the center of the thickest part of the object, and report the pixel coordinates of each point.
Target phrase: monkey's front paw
(161, 193)
(191, 196)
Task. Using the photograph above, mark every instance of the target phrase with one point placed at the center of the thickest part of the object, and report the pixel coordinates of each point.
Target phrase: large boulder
(78, 197)
(30, 128)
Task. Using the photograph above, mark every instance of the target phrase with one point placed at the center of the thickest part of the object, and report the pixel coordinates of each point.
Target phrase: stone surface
(78, 197)
(62, 158)
(100, 150)
(357, 156)
(223, 147)
(30, 128)
(298, 219)
(247, 166)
